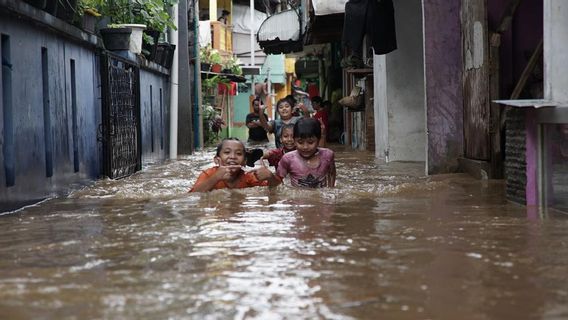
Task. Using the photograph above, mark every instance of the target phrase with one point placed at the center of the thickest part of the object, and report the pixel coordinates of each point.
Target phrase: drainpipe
(174, 75)
(252, 34)
(197, 114)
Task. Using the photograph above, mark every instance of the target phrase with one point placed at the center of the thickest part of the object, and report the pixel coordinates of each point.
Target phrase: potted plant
(155, 15)
(87, 14)
(232, 65)
(204, 57)
(215, 60)
(122, 15)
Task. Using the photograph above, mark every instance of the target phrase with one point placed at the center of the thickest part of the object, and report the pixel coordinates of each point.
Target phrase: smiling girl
(230, 158)
(309, 165)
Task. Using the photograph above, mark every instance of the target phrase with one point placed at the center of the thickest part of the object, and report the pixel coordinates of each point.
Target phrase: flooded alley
(387, 243)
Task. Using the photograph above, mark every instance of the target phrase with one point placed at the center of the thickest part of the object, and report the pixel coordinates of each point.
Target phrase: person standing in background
(256, 132)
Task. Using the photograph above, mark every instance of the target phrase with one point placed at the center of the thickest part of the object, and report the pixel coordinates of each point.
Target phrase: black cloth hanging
(375, 18)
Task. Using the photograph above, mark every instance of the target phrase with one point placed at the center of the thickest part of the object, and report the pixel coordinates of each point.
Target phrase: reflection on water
(386, 243)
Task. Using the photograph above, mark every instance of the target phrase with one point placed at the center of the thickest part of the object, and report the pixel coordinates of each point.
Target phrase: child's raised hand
(263, 173)
(226, 172)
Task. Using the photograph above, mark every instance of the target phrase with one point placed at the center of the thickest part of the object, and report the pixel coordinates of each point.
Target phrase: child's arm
(206, 182)
(305, 110)
(332, 175)
(323, 134)
(263, 174)
(263, 121)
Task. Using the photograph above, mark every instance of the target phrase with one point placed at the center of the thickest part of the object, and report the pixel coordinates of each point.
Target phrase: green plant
(152, 13)
(232, 63)
(91, 7)
(209, 55)
(212, 125)
(213, 82)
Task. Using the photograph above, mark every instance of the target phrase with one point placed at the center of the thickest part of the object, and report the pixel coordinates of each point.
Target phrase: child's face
(231, 153)
(307, 147)
(285, 110)
(287, 139)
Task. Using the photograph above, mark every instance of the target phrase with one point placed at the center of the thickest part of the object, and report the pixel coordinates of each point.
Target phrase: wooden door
(475, 79)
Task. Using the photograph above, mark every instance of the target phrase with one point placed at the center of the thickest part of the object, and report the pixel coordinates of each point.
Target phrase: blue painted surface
(154, 116)
(275, 64)
(39, 117)
(73, 119)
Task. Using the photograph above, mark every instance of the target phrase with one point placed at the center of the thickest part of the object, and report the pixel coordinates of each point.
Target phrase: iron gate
(120, 116)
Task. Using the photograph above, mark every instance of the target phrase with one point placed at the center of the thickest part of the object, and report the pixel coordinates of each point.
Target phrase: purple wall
(444, 97)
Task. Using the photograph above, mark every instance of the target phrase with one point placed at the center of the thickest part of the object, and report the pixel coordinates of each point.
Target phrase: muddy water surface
(387, 243)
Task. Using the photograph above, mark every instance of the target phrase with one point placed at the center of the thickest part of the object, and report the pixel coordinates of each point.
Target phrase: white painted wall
(400, 133)
(555, 50)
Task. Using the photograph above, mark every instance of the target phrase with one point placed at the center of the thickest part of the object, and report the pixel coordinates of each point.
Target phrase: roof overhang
(281, 33)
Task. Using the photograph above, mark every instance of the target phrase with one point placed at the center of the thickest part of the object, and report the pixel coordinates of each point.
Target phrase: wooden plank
(497, 155)
(476, 79)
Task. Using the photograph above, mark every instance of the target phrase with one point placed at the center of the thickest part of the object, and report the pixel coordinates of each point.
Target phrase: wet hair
(220, 145)
(307, 128)
(282, 101)
(317, 99)
(287, 126)
(291, 99)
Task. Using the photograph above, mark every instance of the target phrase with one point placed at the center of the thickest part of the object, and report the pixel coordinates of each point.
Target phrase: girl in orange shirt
(230, 158)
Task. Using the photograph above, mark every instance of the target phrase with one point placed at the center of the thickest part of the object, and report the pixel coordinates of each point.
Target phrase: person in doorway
(288, 144)
(256, 133)
(224, 17)
(228, 172)
(321, 114)
(309, 166)
(275, 126)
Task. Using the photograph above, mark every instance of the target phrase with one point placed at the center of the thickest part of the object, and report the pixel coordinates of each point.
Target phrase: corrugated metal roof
(283, 26)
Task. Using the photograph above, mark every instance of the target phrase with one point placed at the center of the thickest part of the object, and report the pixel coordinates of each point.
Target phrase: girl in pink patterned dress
(308, 166)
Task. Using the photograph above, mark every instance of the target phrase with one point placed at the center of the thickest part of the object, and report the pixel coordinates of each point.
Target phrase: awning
(280, 33)
(325, 7)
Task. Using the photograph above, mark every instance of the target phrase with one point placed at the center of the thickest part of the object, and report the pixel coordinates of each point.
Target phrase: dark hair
(220, 145)
(307, 128)
(287, 126)
(317, 99)
(282, 101)
(326, 103)
(257, 99)
(291, 100)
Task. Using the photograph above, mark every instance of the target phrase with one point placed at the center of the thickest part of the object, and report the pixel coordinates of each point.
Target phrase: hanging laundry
(374, 18)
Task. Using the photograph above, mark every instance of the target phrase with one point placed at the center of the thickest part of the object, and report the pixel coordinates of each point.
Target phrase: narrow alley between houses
(387, 243)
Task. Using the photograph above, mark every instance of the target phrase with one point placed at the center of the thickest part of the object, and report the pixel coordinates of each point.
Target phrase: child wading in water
(287, 141)
(309, 165)
(228, 173)
(286, 117)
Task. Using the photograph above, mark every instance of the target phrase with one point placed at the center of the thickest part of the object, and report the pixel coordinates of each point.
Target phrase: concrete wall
(154, 115)
(41, 153)
(554, 51)
(443, 72)
(399, 90)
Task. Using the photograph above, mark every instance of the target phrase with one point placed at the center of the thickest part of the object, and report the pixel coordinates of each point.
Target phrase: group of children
(299, 155)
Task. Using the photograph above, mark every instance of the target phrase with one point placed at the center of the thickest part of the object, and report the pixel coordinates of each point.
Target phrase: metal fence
(120, 129)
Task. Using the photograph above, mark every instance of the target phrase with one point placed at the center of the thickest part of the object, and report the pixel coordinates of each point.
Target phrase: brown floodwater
(387, 243)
